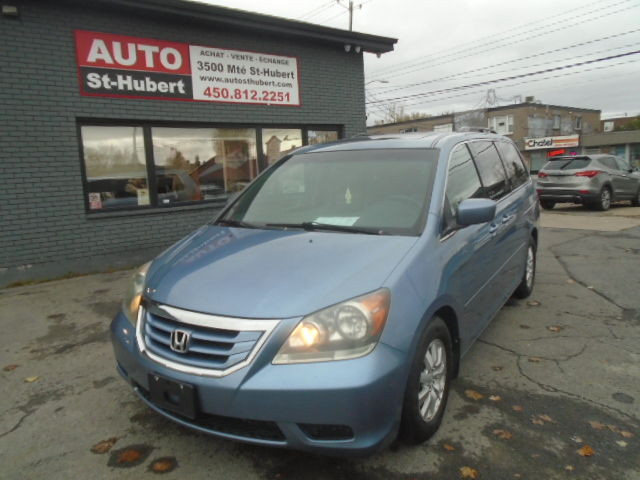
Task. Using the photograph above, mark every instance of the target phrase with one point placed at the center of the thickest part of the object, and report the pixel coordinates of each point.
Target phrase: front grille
(216, 344)
(240, 427)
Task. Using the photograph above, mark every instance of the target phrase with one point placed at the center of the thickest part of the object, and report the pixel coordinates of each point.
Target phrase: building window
(409, 130)
(577, 123)
(608, 126)
(556, 122)
(502, 124)
(322, 136)
(115, 167)
(142, 165)
(445, 127)
(280, 141)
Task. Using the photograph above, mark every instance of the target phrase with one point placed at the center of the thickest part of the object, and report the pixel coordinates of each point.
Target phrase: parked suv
(592, 180)
(328, 306)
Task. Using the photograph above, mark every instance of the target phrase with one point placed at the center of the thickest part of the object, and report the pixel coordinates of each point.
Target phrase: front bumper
(349, 407)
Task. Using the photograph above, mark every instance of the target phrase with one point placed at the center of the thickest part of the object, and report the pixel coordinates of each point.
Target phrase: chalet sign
(130, 67)
(551, 142)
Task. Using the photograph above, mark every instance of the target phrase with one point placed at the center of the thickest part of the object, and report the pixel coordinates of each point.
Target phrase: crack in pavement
(16, 426)
(552, 389)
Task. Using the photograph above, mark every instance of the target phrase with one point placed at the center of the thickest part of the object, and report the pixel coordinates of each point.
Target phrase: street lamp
(374, 81)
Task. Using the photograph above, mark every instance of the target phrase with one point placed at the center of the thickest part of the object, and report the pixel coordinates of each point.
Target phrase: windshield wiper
(311, 226)
(228, 222)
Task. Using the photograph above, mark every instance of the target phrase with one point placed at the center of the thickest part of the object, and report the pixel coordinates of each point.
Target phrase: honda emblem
(180, 341)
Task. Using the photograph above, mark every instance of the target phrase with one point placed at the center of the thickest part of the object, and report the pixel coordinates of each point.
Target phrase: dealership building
(126, 124)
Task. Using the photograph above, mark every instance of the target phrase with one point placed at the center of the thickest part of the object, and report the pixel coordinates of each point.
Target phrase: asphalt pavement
(551, 390)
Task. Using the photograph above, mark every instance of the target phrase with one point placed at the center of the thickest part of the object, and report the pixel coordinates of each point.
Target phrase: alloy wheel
(432, 380)
(605, 198)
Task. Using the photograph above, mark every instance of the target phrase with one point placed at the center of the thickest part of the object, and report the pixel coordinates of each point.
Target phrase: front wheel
(528, 278)
(547, 204)
(428, 384)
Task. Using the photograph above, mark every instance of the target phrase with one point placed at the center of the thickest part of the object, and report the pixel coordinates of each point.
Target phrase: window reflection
(280, 141)
(322, 136)
(115, 166)
(202, 163)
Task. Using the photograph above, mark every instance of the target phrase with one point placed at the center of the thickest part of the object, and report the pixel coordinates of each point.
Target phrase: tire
(416, 427)
(547, 204)
(635, 201)
(529, 276)
(604, 200)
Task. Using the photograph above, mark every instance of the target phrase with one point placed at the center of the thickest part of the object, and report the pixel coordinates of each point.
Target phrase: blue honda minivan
(328, 306)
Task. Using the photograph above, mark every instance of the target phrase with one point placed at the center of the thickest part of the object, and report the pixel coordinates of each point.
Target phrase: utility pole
(350, 8)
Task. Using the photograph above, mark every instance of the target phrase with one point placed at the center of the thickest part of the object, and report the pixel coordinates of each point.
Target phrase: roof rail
(476, 129)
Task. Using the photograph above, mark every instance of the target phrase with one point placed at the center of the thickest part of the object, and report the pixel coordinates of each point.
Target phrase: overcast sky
(448, 44)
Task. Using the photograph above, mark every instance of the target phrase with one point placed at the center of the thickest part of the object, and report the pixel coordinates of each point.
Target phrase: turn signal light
(588, 173)
(542, 175)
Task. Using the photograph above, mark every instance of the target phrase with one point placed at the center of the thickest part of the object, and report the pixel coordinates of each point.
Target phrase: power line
(404, 71)
(512, 77)
(489, 67)
(457, 48)
(476, 92)
(317, 10)
(331, 18)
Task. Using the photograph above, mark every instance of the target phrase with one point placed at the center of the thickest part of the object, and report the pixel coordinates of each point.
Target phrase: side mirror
(475, 210)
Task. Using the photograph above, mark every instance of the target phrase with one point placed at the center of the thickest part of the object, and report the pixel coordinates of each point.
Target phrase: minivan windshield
(384, 191)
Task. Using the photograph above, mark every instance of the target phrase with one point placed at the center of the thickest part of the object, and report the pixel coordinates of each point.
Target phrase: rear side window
(609, 162)
(516, 170)
(563, 163)
(492, 173)
(463, 181)
(622, 164)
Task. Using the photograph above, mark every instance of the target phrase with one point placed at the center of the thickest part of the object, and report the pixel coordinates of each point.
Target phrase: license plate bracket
(172, 395)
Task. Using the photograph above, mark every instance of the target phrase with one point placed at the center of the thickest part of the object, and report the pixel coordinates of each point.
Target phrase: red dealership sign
(122, 66)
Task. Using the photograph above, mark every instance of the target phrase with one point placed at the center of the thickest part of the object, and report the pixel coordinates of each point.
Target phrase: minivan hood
(256, 273)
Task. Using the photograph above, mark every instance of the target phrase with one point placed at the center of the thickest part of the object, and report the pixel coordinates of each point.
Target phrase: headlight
(347, 330)
(132, 298)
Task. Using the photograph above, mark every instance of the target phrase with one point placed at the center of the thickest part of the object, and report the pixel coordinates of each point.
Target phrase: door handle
(493, 229)
(507, 219)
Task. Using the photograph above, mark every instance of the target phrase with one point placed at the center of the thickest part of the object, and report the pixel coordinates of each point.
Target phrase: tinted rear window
(566, 163)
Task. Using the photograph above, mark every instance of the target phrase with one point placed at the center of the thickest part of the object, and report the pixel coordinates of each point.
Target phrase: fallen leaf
(31, 379)
(591, 287)
(535, 359)
(569, 468)
(128, 456)
(473, 395)
(555, 328)
(626, 434)
(517, 475)
(468, 472)
(533, 303)
(537, 421)
(597, 425)
(613, 428)
(525, 327)
(495, 398)
(9, 368)
(576, 439)
(622, 443)
(497, 368)
(535, 455)
(104, 446)
(448, 448)
(517, 408)
(504, 434)
(546, 418)
(571, 280)
(163, 465)
(586, 451)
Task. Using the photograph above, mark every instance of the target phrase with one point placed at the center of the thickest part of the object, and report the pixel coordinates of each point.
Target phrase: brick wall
(44, 229)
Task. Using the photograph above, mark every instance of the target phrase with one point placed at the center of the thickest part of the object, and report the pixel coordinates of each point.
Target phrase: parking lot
(550, 391)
